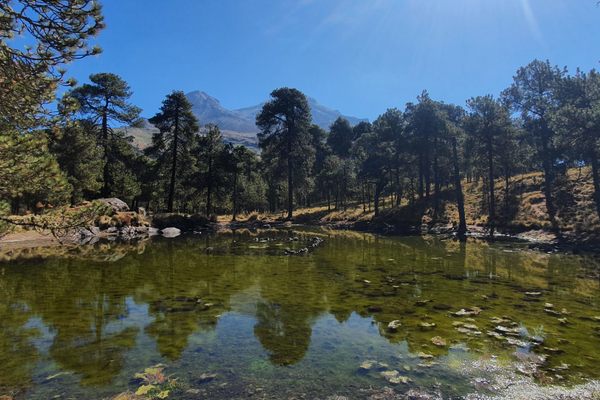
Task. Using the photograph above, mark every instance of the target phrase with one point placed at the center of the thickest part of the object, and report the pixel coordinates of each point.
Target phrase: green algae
(238, 306)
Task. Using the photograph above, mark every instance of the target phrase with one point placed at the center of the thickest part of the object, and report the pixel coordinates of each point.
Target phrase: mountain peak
(208, 109)
(197, 96)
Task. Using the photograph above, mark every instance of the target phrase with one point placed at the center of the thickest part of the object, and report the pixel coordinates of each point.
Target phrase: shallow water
(257, 322)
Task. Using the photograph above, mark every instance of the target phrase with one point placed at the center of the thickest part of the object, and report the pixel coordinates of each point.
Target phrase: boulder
(170, 232)
(90, 231)
(115, 204)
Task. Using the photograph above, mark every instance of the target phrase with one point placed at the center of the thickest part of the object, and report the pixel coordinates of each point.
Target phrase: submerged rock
(394, 377)
(508, 331)
(205, 378)
(552, 312)
(422, 303)
(553, 350)
(468, 329)
(459, 347)
(464, 312)
(439, 341)
(367, 365)
(427, 325)
(394, 325)
(533, 294)
(501, 321)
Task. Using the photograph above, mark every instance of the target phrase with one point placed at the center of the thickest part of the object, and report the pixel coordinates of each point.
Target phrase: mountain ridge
(238, 126)
(243, 119)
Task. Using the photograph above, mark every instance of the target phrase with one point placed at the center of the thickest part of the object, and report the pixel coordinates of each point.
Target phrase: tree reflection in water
(91, 313)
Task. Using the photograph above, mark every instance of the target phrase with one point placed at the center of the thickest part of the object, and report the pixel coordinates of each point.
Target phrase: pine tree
(533, 94)
(105, 102)
(210, 155)
(177, 127)
(488, 123)
(284, 122)
(57, 33)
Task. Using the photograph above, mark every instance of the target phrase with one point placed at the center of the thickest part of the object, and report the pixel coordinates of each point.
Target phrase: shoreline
(537, 239)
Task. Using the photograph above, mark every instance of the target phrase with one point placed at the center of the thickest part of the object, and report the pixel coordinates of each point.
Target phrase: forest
(62, 150)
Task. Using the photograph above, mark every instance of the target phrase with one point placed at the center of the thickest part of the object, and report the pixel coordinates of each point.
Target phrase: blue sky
(358, 56)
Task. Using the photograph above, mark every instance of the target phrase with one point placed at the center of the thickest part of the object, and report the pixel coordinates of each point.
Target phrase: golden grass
(527, 208)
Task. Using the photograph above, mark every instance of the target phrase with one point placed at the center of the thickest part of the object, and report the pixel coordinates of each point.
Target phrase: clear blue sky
(358, 56)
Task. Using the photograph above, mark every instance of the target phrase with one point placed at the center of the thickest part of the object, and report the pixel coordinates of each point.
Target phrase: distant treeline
(547, 120)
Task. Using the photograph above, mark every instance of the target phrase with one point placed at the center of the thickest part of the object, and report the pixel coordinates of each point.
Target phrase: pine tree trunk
(492, 201)
(548, 183)
(436, 181)
(290, 208)
(595, 178)
(376, 199)
(235, 196)
(427, 173)
(460, 200)
(106, 170)
(420, 176)
(209, 187)
(174, 162)
(506, 192)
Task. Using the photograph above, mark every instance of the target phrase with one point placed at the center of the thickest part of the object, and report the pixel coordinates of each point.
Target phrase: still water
(234, 315)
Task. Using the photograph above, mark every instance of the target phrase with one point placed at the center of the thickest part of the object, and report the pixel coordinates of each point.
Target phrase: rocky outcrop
(116, 204)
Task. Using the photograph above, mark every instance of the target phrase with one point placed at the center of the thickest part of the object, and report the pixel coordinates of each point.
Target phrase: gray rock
(153, 231)
(141, 211)
(115, 204)
(128, 232)
(171, 232)
(90, 231)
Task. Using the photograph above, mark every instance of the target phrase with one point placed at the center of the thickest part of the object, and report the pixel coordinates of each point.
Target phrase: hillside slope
(525, 210)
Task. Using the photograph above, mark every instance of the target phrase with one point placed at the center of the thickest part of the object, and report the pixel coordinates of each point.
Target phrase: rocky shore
(121, 223)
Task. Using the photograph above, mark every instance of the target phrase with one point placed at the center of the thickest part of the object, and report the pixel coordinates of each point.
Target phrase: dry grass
(527, 203)
(525, 210)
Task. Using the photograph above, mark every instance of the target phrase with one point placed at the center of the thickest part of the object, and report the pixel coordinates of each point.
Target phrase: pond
(252, 314)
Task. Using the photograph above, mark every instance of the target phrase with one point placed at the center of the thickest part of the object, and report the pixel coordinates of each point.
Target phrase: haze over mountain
(238, 126)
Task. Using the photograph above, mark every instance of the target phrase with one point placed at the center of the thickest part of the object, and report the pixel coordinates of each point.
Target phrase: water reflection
(90, 310)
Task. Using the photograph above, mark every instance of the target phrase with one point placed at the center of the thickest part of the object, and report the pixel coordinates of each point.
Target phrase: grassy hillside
(525, 209)
(142, 137)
